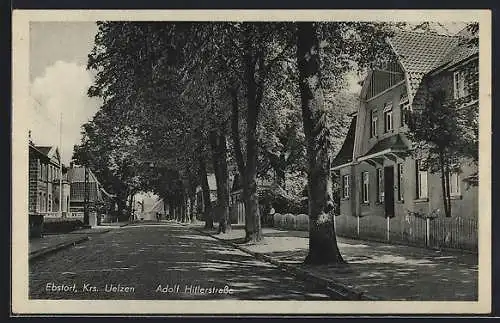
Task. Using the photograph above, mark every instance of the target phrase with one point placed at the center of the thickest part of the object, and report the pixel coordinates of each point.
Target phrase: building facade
(385, 190)
(99, 201)
(44, 184)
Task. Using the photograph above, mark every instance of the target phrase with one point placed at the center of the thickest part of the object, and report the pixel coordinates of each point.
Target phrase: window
(459, 85)
(380, 186)
(454, 184)
(388, 117)
(345, 186)
(39, 169)
(365, 187)
(421, 180)
(42, 204)
(373, 127)
(405, 111)
(400, 182)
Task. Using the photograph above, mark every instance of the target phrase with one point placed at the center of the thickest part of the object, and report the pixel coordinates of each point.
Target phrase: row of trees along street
(182, 99)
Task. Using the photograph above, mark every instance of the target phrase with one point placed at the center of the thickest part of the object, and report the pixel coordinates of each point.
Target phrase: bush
(302, 222)
(61, 225)
(282, 202)
(36, 225)
(291, 221)
(277, 219)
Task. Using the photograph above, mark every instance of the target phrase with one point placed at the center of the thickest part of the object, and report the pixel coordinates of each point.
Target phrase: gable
(384, 78)
(54, 153)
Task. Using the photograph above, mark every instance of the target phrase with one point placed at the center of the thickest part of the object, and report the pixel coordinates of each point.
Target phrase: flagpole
(60, 167)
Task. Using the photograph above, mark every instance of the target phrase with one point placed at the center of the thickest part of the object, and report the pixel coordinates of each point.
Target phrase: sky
(59, 82)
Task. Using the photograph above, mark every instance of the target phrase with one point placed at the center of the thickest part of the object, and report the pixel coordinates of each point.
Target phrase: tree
(444, 133)
(445, 130)
(346, 44)
(322, 240)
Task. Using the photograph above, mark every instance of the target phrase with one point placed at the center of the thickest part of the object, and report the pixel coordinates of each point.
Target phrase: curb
(63, 245)
(52, 249)
(328, 284)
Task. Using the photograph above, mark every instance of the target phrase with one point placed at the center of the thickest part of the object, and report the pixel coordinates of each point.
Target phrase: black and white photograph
(340, 158)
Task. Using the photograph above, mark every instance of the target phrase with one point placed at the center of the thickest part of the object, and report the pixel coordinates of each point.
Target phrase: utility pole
(60, 167)
(86, 198)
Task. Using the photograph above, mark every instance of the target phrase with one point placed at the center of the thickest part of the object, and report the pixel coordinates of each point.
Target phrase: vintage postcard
(251, 162)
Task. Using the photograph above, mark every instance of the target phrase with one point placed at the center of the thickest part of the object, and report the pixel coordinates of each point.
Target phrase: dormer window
(404, 106)
(459, 86)
(388, 117)
(374, 124)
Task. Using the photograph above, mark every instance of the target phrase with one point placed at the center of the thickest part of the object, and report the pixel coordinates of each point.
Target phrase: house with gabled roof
(381, 181)
(44, 184)
(99, 200)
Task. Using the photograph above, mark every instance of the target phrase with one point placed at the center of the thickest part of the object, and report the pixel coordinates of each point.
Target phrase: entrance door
(389, 190)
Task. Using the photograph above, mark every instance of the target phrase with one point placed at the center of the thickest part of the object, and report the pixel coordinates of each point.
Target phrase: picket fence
(440, 232)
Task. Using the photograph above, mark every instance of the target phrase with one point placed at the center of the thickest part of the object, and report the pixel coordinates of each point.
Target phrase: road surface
(163, 261)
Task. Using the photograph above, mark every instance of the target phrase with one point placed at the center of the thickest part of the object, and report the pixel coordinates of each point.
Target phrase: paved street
(163, 261)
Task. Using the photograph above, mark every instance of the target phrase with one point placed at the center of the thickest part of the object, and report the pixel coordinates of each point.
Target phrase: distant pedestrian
(222, 220)
(270, 219)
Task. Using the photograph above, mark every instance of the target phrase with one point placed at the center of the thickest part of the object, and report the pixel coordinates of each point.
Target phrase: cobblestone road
(167, 261)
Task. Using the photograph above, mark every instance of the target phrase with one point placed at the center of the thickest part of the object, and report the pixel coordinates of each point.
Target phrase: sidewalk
(49, 243)
(113, 224)
(377, 270)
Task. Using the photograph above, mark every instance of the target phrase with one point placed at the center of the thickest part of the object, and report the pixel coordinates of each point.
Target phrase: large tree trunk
(171, 209)
(130, 207)
(323, 247)
(164, 207)
(121, 203)
(185, 209)
(219, 154)
(253, 227)
(235, 132)
(179, 208)
(207, 204)
(192, 214)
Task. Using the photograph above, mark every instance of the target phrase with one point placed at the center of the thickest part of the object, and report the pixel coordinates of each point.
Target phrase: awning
(390, 148)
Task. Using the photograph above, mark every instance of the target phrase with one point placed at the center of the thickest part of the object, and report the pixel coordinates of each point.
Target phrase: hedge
(282, 202)
(291, 221)
(63, 225)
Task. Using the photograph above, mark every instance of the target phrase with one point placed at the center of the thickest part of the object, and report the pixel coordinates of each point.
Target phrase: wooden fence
(440, 232)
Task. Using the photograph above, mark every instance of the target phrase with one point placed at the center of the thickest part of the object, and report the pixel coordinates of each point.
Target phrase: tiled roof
(460, 53)
(44, 149)
(345, 153)
(420, 53)
(394, 142)
(34, 149)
